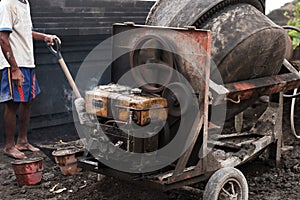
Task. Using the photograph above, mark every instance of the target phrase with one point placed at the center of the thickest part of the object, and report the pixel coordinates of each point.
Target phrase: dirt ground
(265, 181)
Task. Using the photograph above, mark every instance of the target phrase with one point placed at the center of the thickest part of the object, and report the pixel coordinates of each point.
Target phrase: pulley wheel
(152, 62)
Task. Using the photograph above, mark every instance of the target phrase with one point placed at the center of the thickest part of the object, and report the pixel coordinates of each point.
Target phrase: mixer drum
(245, 43)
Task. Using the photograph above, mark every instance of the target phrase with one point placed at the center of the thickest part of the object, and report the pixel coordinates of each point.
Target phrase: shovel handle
(69, 77)
(56, 51)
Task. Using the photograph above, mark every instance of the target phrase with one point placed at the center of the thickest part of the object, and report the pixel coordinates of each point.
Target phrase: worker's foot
(26, 147)
(14, 153)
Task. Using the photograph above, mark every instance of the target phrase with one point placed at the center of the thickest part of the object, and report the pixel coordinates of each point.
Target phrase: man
(18, 85)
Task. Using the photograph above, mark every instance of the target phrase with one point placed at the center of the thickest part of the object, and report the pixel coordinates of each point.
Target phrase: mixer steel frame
(245, 146)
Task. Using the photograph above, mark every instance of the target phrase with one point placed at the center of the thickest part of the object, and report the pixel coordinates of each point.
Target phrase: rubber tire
(219, 178)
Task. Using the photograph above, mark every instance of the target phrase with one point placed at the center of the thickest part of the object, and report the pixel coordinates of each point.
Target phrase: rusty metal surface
(244, 90)
(193, 62)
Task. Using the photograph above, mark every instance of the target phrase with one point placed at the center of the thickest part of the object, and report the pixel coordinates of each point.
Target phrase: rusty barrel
(245, 43)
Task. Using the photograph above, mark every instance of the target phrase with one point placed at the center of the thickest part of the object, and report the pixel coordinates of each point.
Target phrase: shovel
(79, 101)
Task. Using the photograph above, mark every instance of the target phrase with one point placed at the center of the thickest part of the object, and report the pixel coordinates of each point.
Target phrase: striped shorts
(9, 90)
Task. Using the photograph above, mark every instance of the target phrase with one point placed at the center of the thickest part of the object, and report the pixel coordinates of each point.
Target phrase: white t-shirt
(15, 17)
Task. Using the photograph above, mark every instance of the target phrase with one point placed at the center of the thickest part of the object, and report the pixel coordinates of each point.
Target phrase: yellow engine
(125, 104)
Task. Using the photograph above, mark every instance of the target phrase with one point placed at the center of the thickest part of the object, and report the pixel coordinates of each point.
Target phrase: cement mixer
(195, 59)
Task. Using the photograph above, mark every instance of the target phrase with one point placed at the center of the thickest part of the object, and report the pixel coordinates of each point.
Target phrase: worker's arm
(45, 37)
(17, 75)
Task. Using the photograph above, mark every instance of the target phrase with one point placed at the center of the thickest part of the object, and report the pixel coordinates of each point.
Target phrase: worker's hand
(49, 39)
(17, 77)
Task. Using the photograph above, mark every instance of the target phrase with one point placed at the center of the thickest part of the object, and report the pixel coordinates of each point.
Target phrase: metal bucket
(245, 43)
(66, 160)
(29, 171)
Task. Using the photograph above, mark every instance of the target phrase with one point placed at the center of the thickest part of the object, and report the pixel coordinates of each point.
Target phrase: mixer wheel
(226, 184)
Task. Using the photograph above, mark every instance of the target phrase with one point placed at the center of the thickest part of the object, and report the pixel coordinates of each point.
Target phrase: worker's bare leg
(10, 127)
(24, 117)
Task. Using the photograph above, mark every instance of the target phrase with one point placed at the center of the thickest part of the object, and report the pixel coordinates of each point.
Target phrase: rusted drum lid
(245, 43)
